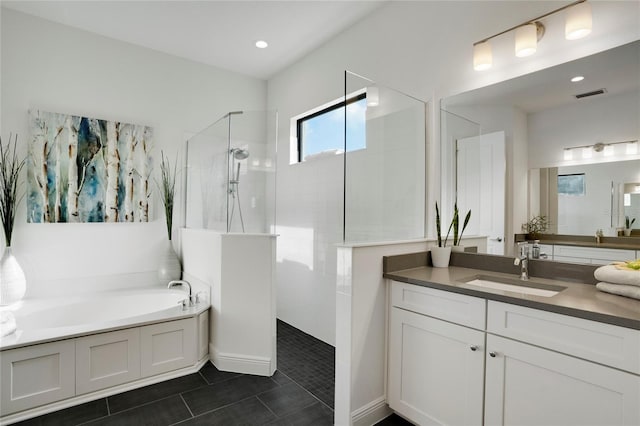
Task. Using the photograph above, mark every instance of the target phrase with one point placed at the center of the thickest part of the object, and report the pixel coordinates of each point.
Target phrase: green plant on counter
(455, 223)
(536, 226)
(628, 224)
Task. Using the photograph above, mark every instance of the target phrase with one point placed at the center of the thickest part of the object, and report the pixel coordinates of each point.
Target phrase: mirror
(542, 114)
(581, 199)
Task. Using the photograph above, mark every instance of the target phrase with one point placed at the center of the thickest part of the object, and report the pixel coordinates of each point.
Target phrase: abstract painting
(84, 169)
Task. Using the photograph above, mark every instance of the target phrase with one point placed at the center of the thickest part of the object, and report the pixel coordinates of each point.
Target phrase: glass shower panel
(252, 172)
(231, 174)
(207, 169)
(385, 178)
(453, 127)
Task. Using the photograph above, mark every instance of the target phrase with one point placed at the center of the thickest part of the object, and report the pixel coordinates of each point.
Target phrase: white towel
(611, 274)
(620, 289)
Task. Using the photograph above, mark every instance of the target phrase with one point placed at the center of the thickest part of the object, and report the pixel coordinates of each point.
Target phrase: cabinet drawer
(457, 308)
(603, 343)
(168, 346)
(107, 359)
(37, 375)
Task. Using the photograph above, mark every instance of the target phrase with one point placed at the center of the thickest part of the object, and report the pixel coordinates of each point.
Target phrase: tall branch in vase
(167, 188)
(10, 167)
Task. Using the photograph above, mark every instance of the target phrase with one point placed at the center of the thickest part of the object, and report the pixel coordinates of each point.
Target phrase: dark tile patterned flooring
(301, 392)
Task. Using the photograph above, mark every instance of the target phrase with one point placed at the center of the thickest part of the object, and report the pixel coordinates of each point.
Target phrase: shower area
(230, 172)
(228, 242)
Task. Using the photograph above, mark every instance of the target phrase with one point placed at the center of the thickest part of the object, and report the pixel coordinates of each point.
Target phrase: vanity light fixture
(528, 34)
(607, 149)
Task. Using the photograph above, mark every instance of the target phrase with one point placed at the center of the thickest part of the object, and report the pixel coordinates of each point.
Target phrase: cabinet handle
(473, 348)
(493, 354)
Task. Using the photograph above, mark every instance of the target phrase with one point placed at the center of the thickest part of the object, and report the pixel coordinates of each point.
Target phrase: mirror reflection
(555, 127)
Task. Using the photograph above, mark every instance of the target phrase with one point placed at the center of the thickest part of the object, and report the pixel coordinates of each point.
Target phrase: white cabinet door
(37, 375)
(436, 370)
(527, 385)
(168, 346)
(107, 359)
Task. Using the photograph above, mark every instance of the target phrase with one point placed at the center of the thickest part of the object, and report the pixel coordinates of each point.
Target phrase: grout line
(187, 405)
(108, 408)
(267, 407)
(309, 392)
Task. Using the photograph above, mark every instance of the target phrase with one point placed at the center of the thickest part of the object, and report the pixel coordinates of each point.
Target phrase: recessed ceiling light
(261, 44)
(577, 78)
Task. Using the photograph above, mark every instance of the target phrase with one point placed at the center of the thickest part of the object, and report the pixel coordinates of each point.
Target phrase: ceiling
(218, 33)
(616, 70)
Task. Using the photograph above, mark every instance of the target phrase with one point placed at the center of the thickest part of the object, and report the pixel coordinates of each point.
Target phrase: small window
(324, 131)
(571, 184)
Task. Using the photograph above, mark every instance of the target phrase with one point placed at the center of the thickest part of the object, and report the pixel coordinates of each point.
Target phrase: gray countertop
(578, 300)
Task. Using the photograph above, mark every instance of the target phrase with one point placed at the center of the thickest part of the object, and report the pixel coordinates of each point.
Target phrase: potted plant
(628, 223)
(457, 239)
(537, 225)
(440, 255)
(12, 279)
(169, 268)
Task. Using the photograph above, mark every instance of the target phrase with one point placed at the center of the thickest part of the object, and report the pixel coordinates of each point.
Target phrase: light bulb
(568, 154)
(587, 152)
(526, 40)
(578, 22)
(373, 96)
(482, 56)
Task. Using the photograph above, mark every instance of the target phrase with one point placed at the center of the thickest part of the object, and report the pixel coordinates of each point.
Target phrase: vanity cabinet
(523, 366)
(436, 367)
(528, 385)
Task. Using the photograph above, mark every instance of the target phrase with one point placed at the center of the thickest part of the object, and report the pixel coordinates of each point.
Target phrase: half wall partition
(227, 243)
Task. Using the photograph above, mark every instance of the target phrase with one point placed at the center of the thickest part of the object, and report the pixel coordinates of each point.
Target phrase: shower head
(239, 153)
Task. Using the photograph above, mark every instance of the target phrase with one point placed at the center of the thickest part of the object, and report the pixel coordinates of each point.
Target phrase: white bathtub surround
(75, 349)
(361, 333)
(13, 284)
(240, 269)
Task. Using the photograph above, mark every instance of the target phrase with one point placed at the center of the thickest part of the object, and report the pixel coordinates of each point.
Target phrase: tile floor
(299, 393)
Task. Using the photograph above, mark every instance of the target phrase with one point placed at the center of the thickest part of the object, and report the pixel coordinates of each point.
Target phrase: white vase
(627, 232)
(169, 268)
(440, 256)
(13, 284)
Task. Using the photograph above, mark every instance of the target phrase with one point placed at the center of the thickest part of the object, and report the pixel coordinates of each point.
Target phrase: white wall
(423, 49)
(56, 68)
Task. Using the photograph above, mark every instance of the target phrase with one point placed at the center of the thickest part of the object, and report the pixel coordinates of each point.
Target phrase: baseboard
(81, 399)
(371, 413)
(238, 363)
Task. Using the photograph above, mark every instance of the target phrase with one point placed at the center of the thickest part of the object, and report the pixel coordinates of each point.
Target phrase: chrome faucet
(522, 259)
(183, 283)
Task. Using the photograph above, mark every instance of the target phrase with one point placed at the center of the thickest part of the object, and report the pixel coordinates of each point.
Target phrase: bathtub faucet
(183, 283)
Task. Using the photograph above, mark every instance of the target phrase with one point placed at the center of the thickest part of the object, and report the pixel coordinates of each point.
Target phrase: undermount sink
(514, 285)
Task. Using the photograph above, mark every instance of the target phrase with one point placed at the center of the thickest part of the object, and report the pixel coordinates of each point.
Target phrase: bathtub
(41, 320)
(73, 349)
